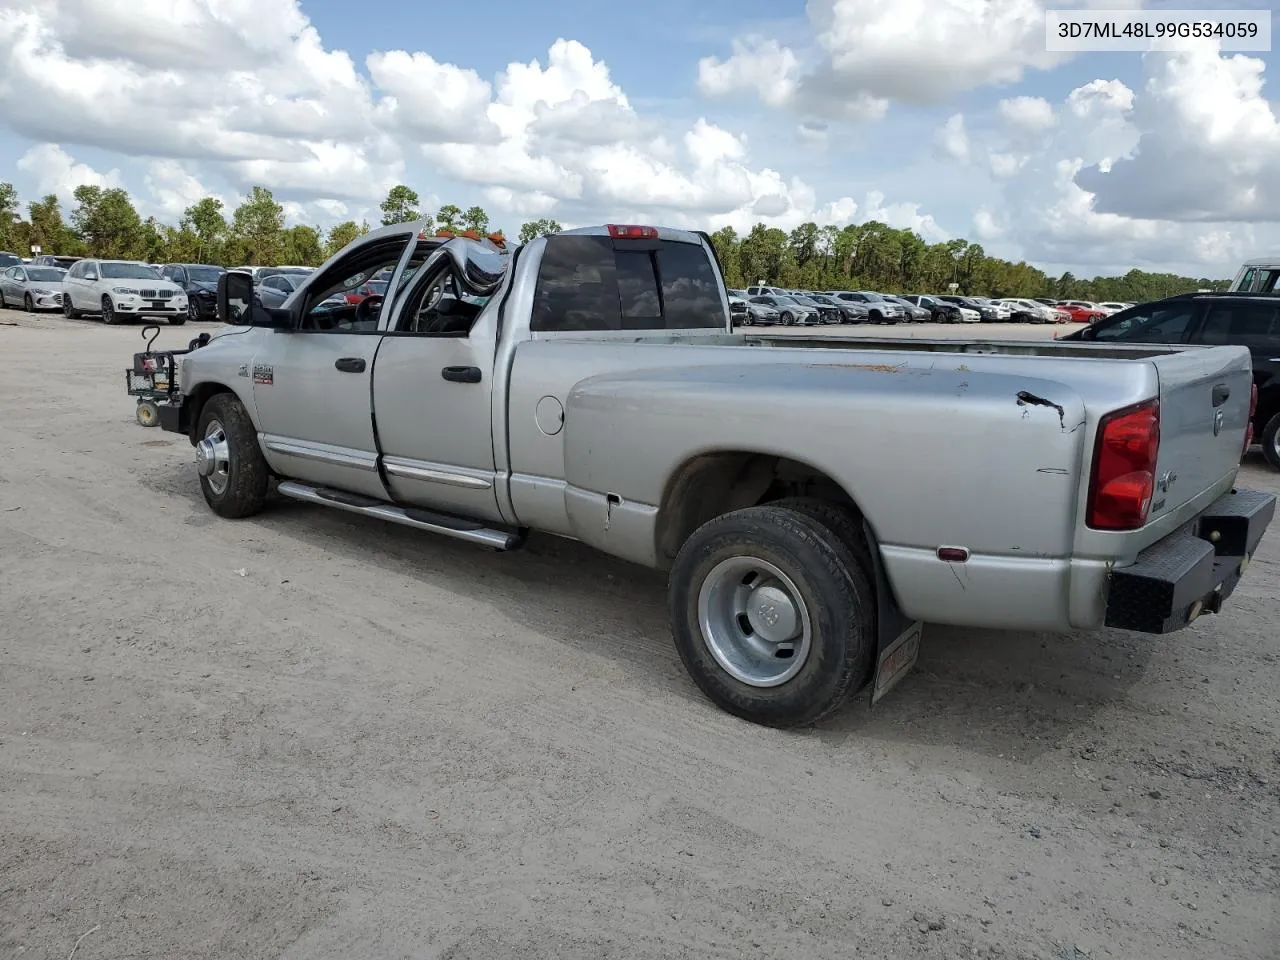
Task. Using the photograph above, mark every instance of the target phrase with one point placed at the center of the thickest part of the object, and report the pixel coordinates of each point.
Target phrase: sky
(949, 117)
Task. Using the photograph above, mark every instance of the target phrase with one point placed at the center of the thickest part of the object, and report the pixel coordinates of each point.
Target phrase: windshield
(128, 271)
(378, 288)
(205, 274)
(47, 274)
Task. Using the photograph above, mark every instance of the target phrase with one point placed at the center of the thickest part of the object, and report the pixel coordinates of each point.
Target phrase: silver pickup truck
(814, 499)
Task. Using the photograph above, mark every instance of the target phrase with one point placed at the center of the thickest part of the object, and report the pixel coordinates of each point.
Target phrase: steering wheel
(368, 309)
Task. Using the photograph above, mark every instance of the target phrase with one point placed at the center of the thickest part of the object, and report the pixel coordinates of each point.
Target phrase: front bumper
(138, 307)
(173, 416)
(1193, 570)
(46, 301)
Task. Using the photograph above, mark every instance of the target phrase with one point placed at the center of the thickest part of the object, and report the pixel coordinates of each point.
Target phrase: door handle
(350, 364)
(1220, 393)
(461, 374)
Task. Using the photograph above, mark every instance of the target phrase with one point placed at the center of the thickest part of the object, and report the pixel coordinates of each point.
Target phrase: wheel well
(196, 400)
(713, 484)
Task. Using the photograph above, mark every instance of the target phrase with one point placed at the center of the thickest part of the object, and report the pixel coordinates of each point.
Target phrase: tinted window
(1248, 324)
(1268, 283)
(1154, 324)
(584, 284)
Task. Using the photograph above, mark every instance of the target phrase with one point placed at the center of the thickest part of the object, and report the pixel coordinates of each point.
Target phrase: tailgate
(1204, 411)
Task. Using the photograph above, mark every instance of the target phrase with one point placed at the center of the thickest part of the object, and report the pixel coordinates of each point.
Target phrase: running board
(459, 528)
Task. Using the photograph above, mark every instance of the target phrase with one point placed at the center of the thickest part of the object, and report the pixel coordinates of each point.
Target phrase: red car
(374, 288)
(1082, 314)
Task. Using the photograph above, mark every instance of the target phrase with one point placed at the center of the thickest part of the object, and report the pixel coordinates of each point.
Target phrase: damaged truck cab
(814, 500)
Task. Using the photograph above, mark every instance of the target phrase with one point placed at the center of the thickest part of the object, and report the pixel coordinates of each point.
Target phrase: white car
(117, 289)
(1037, 312)
(34, 287)
(1114, 306)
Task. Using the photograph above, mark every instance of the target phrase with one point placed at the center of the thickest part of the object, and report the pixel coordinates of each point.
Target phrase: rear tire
(1271, 441)
(721, 621)
(238, 486)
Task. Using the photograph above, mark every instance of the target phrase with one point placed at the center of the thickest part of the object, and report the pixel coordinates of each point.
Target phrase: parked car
(827, 312)
(913, 312)
(35, 287)
(1030, 311)
(1082, 313)
(1213, 319)
(941, 311)
(682, 447)
(1114, 306)
(372, 288)
(759, 313)
(879, 310)
(1260, 275)
(118, 289)
(8, 259)
(200, 281)
(763, 291)
(989, 312)
(274, 289)
(790, 311)
(851, 311)
(53, 260)
(1047, 301)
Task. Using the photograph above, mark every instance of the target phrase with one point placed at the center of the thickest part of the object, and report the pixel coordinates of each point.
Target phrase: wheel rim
(754, 621)
(29, 304)
(146, 414)
(213, 458)
(1275, 444)
(192, 314)
(108, 312)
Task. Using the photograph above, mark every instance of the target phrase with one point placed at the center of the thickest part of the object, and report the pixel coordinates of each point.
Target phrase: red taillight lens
(1123, 480)
(627, 231)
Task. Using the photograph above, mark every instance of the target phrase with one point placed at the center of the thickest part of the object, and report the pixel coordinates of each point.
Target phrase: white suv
(117, 289)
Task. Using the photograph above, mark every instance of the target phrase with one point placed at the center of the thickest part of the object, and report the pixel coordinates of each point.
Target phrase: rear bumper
(1192, 571)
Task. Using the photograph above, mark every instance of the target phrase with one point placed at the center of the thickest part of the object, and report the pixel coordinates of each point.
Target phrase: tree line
(875, 256)
(104, 222)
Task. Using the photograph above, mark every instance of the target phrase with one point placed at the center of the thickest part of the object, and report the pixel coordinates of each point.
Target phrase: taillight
(1253, 411)
(1123, 479)
(625, 231)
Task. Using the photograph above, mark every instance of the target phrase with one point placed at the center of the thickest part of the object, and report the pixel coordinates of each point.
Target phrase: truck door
(311, 383)
(433, 401)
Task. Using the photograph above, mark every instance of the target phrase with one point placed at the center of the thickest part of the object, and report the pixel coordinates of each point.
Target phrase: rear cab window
(591, 283)
(1247, 323)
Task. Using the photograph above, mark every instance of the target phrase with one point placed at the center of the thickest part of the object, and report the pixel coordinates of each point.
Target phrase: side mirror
(237, 303)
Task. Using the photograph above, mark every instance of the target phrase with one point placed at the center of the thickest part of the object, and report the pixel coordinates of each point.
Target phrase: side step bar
(459, 528)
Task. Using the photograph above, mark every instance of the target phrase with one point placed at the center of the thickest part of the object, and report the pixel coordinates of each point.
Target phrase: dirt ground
(311, 736)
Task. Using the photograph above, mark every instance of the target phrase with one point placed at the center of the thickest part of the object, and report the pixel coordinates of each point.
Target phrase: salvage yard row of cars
(116, 290)
(776, 305)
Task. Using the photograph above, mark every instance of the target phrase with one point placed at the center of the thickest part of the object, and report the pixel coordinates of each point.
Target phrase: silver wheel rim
(1275, 444)
(754, 621)
(192, 313)
(213, 458)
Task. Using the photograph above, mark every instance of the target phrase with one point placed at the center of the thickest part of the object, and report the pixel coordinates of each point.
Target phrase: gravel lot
(309, 736)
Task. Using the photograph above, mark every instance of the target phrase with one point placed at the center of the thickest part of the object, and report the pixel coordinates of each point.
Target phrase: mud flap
(897, 637)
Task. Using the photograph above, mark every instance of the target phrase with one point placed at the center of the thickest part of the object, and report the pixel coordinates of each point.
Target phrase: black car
(52, 260)
(986, 311)
(940, 311)
(200, 281)
(850, 311)
(8, 260)
(1211, 319)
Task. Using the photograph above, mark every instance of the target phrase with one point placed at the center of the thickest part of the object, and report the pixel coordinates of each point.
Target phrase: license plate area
(159, 305)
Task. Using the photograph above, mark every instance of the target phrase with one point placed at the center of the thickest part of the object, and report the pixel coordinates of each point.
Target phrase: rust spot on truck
(873, 367)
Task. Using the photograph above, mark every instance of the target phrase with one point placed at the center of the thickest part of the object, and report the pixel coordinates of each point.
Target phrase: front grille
(156, 294)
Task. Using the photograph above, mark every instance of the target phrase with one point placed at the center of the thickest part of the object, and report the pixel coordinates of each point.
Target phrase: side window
(690, 291)
(273, 283)
(1268, 284)
(90, 271)
(1247, 324)
(1161, 324)
(577, 285)
(332, 305)
(1246, 281)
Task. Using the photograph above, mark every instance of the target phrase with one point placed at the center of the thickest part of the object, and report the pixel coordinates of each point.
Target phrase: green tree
(476, 219)
(47, 228)
(205, 221)
(538, 228)
(258, 226)
(401, 206)
(450, 217)
(303, 246)
(107, 222)
(340, 235)
(9, 216)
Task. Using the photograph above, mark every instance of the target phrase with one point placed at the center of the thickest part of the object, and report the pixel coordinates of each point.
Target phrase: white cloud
(54, 171)
(953, 139)
(872, 52)
(1027, 114)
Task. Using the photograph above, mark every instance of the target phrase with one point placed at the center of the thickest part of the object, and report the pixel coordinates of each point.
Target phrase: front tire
(788, 319)
(1271, 441)
(233, 472)
(876, 316)
(28, 304)
(68, 310)
(177, 321)
(772, 614)
(108, 311)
